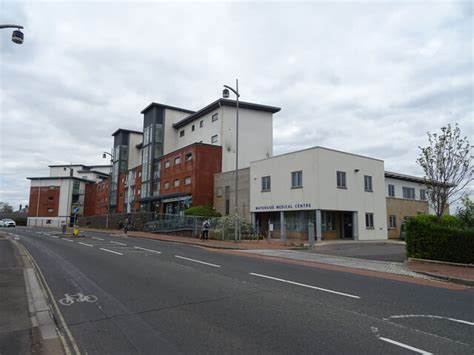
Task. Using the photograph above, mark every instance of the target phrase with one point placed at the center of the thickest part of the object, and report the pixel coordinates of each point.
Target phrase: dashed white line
(97, 238)
(118, 243)
(111, 251)
(68, 240)
(304, 285)
(153, 251)
(196, 261)
(430, 316)
(54, 236)
(87, 245)
(405, 346)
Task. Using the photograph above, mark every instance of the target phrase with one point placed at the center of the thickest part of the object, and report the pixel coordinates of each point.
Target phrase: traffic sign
(76, 209)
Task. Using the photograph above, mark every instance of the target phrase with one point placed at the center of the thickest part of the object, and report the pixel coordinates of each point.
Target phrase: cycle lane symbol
(78, 297)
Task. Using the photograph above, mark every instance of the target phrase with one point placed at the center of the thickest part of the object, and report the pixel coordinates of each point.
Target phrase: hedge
(202, 211)
(444, 240)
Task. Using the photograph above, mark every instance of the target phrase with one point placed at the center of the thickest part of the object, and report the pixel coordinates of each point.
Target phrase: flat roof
(59, 178)
(126, 131)
(225, 102)
(155, 104)
(318, 147)
(404, 177)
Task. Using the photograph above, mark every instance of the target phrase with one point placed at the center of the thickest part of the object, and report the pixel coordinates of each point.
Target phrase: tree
(447, 165)
(6, 207)
(466, 212)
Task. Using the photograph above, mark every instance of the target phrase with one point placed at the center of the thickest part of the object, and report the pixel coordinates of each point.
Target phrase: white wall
(399, 184)
(255, 137)
(319, 191)
(134, 154)
(65, 170)
(203, 134)
(171, 142)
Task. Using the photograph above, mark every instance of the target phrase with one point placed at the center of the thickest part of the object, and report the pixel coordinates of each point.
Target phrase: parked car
(7, 222)
(2, 224)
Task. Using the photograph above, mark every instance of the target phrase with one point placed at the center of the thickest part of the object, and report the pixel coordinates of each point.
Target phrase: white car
(7, 222)
(1, 223)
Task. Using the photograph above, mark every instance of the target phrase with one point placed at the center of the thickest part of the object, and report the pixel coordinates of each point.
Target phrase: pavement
(120, 294)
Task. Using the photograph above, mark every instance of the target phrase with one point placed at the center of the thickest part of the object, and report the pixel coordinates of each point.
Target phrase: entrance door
(347, 225)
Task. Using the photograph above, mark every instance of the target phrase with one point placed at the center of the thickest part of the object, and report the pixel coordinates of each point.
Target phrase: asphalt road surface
(122, 295)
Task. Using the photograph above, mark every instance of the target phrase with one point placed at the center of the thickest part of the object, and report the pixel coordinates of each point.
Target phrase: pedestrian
(205, 229)
(125, 225)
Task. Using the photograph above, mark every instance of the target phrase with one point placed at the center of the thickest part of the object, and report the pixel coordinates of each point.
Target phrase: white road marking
(430, 316)
(304, 285)
(111, 251)
(87, 245)
(68, 240)
(97, 238)
(118, 243)
(153, 251)
(113, 235)
(405, 346)
(196, 261)
(54, 236)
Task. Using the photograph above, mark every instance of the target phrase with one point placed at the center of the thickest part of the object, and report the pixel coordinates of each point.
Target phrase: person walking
(125, 225)
(205, 229)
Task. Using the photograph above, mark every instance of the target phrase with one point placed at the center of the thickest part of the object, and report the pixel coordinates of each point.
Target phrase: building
(339, 195)
(53, 199)
(224, 193)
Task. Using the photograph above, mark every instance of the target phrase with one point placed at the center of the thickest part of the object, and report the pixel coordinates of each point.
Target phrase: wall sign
(280, 207)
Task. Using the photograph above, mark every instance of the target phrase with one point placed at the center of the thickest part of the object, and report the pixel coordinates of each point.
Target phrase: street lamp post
(17, 35)
(104, 155)
(225, 94)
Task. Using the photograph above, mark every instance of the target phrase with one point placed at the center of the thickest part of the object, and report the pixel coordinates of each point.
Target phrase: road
(148, 296)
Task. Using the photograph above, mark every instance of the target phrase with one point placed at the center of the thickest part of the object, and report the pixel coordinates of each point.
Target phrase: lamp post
(17, 35)
(225, 95)
(104, 156)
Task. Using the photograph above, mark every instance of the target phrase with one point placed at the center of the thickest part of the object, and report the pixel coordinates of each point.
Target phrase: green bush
(444, 240)
(202, 211)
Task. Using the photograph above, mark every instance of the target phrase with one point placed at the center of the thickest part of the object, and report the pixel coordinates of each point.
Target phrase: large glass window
(328, 221)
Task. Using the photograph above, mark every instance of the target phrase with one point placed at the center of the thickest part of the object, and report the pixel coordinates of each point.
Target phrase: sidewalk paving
(454, 273)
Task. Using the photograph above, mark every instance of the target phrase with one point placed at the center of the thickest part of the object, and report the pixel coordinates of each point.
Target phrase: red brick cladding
(121, 193)
(205, 162)
(90, 200)
(138, 184)
(102, 197)
(48, 200)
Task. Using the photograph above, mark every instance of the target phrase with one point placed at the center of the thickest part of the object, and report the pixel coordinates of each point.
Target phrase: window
(328, 221)
(227, 200)
(422, 194)
(408, 192)
(50, 210)
(369, 220)
(192, 128)
(167, 164)
(214, 139)
(167, 185)
(392, 221)
(84, 177)
(368, 183)
(296, 179)
(214, 117)
(52, 187)
(50, 198)
(341, 179)
(181, 133)
(177, 160)
(188, 156)
(219, 192)
(391, 190)
(266, 183)
(187, 180)
(176, 183)
(201, 124)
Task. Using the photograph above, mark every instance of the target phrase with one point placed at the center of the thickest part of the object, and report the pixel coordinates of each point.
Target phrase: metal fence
(222, 228)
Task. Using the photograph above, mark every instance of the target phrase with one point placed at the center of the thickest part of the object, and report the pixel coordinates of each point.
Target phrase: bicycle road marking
(304, 285)
(153, 251)
(196, 261)
(111, 251)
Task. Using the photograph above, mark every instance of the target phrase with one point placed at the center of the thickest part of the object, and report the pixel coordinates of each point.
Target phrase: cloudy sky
(365, 77)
